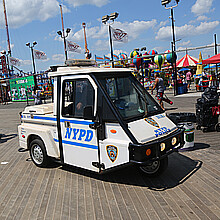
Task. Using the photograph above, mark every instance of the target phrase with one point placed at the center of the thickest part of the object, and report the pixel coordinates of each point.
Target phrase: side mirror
(88, 113)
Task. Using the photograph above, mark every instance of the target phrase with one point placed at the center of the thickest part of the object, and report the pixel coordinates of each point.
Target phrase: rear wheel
(217, 127)
(38, 153)
(155, 168)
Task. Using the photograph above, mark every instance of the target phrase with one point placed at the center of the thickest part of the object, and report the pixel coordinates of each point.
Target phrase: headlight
(162, 146)
(174, 141)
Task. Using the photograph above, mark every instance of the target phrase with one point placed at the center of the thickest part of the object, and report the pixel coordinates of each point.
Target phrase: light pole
(106, 18)
(64, 36)
(32, 53)
(165, 2)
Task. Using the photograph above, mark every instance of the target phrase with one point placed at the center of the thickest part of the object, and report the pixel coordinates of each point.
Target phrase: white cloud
(202, 7)
(202, 18)
(58, 57)
(134, 29)
(26, 62)
(185, 43)
(21, 12)
(165, 33)
(163, 23)
(98, 3)
(117, 52)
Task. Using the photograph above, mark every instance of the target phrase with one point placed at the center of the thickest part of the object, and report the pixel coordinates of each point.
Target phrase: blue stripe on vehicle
(78, 144)
(45, 118)
(63, 120)
(77, 122)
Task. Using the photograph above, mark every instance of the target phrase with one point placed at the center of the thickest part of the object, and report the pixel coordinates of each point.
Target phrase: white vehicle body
(91, 140)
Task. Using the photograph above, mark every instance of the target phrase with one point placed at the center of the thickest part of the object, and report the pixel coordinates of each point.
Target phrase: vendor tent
(184, 69)
(214, 59)
(186, 61)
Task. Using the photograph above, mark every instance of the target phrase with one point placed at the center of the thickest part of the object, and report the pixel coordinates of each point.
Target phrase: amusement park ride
(87, 53)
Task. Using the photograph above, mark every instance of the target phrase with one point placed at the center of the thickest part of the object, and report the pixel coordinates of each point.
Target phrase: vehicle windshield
(130, 98)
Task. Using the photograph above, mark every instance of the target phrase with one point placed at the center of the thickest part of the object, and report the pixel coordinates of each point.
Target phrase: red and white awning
(187, 61)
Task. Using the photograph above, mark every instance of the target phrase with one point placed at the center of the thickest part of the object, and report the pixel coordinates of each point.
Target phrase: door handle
(67, 124)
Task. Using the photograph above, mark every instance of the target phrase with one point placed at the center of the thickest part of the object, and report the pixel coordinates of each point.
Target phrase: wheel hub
(37, 154)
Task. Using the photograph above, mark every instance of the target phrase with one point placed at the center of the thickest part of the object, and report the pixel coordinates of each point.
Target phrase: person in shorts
(188, 79)
(159, 85)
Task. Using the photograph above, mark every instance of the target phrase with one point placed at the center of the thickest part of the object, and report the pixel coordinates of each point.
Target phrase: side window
(77, 95)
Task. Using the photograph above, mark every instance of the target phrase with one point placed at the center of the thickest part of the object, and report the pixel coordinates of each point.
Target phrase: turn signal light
(174, 140)
(148, 152)
(113, 131)
(162, 146)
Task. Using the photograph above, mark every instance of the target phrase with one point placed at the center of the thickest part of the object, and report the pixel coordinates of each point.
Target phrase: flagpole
(32, 53)
(110, 38)
(64, 37)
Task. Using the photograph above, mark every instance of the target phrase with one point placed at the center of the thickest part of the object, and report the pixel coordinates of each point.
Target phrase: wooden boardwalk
(189, 188)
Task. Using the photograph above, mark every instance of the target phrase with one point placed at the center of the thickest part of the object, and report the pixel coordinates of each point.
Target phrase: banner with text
(119, 35)
(40, 55)
(73, 47)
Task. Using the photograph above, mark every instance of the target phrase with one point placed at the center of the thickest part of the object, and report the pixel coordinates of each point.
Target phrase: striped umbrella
(152, 52)
(187, 61)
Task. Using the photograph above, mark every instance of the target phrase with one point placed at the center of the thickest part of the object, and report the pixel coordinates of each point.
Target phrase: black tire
(217, 127)
(198, 127)
(155, 168)
(205, 130)
(38, 153)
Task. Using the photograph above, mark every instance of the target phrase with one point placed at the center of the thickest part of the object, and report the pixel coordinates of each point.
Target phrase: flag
(14, 61)
(40, 55)
(73, 47)
(119, 35)
(97, 58)
(106, 58)
(116, 57)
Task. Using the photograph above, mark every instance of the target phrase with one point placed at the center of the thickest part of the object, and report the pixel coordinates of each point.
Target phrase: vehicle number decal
(161, 131)
(160, 116)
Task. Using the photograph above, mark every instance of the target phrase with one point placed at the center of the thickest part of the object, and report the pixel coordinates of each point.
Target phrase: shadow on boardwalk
(4, 138)
(180, 169)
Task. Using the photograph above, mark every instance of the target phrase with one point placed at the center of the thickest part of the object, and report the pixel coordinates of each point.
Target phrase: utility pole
(111, 47)
(165, 2)
(216, 52)
(6, 26)
(174, 55)
(64, 37)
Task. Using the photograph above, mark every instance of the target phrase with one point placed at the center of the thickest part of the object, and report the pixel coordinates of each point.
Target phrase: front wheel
(38, 153)
(155, 168)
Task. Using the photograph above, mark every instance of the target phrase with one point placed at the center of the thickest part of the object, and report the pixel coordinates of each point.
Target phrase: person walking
(188, 79)
(159, 85)
(37, 96)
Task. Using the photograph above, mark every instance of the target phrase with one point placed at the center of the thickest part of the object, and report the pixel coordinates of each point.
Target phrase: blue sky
(147, 23)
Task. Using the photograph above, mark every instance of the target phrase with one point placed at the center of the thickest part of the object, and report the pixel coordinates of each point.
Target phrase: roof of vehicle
(62, 71)
(74, 67)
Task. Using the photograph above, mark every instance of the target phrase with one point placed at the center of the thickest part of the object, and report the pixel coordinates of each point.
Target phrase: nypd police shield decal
(112, 152)
(151, 121)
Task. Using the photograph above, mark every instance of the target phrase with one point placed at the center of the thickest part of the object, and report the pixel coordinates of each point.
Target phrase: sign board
(21, 87)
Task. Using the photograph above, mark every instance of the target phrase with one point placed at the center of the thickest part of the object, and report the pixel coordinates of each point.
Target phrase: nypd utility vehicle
(100, 118)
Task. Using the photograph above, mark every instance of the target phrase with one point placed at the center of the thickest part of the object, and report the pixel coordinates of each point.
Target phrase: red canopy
(214, 59)
(186, 61)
